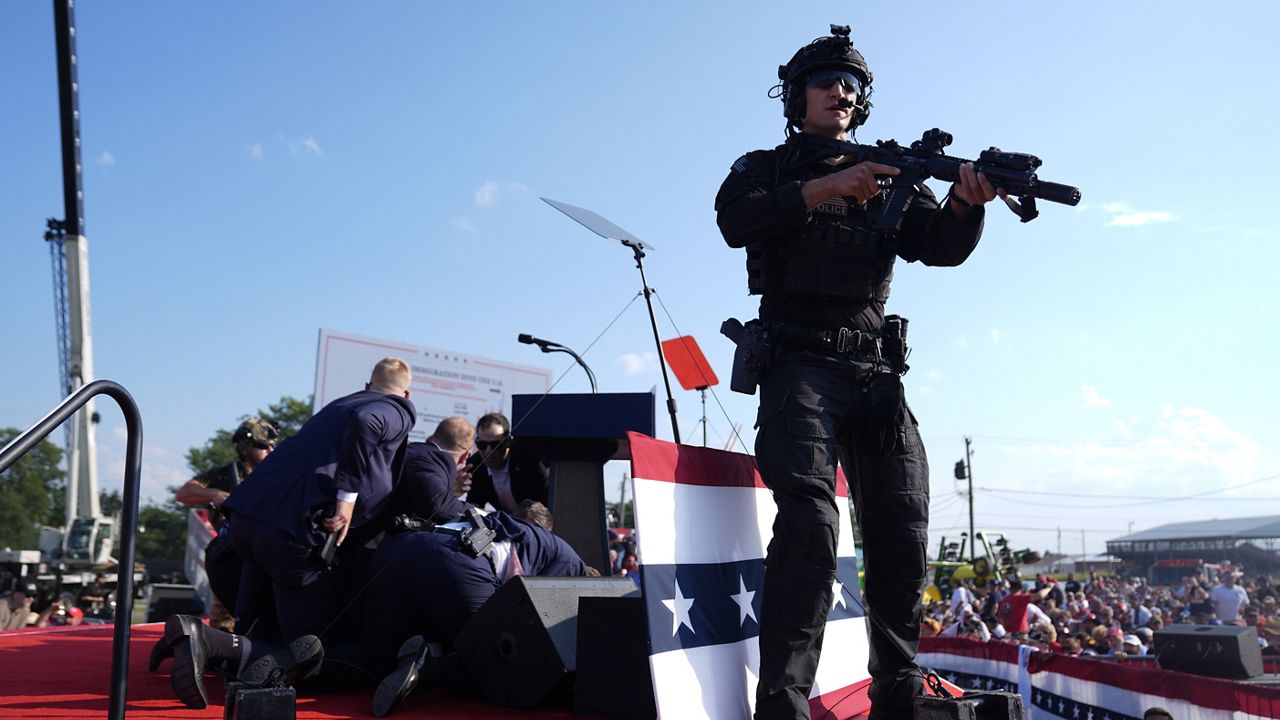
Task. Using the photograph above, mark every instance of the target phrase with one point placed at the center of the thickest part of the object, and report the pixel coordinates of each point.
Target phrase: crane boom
(74, 316)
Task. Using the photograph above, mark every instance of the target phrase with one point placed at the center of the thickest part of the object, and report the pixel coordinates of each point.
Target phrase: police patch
(833, 206)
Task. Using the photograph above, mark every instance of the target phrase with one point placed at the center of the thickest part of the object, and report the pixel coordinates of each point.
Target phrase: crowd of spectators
(622, 556)
(24, 607)
(1105, 616)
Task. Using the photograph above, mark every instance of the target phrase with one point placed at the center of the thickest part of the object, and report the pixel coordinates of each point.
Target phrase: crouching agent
(195, 646)
(428, 581)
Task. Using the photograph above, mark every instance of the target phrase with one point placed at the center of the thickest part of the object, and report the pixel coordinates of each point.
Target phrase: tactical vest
(833, 256)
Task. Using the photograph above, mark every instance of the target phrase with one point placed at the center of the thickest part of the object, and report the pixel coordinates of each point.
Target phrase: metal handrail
(129, 519)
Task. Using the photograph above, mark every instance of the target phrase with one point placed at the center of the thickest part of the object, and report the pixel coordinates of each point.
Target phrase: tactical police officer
(254, 440)
(832, 385)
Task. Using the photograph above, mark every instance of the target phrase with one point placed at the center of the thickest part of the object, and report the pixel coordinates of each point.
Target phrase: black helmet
(834, 52)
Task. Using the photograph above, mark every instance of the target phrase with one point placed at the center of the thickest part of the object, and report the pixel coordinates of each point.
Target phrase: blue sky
(257, 171)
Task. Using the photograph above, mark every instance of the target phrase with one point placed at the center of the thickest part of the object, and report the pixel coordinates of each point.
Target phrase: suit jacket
(355, 443)
(426, 484)
(530, 479)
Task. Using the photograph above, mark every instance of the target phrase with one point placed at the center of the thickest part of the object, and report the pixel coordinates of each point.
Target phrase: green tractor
(992, 559)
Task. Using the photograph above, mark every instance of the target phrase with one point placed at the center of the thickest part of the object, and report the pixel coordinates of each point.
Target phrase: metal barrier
(129, 519)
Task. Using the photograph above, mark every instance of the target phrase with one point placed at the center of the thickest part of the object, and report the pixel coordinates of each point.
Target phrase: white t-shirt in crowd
(960, 596)
(1227, 601)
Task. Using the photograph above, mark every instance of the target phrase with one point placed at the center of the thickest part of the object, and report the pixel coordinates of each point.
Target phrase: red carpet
(66, 673)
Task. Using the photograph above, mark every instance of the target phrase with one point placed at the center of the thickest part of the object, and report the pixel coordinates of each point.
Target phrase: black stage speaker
(522, 645)
(1224, 651)
(613, 678)
(970, 706)
(165, 600)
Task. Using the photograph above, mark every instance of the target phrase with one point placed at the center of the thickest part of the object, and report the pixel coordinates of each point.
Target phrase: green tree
(26, 492)
(164, 535)
(110, 503)
(287, 416)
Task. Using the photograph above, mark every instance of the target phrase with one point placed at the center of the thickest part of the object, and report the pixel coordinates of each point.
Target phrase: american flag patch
(740, 165)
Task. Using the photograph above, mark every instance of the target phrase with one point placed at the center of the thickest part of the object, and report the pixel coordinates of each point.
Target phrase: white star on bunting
(744, 597)
(679, 607)
(837, 595)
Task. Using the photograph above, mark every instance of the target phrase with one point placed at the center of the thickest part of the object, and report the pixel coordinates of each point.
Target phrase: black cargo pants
(813, 410)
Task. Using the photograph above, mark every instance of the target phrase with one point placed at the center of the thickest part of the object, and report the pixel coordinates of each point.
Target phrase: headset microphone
(846, 103)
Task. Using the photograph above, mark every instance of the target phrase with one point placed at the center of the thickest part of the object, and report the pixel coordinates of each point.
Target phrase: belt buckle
(844, 340)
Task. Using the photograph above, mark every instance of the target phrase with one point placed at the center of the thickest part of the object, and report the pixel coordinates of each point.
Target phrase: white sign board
(445, 382)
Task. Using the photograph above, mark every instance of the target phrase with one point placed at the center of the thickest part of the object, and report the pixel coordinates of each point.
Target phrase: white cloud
(255, 151)
(464, 223)
(1092, 398)
(518, 186)
(106, 159)
(487, 195)
(1124, 216)
(934, 375)
(304, 145)
(638, 363)
(995, 335)
(1185, 450)
(161, 470)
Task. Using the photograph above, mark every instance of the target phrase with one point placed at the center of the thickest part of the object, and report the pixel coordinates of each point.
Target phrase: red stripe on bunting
(1205, 692)
(847, 702)
(1198, 690)
(653, 459)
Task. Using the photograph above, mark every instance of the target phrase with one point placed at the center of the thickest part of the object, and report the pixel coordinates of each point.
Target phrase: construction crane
(87, 538)
(71, 555)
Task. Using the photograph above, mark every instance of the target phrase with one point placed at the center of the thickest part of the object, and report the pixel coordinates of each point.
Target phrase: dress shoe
(288, 665)
(396, 686)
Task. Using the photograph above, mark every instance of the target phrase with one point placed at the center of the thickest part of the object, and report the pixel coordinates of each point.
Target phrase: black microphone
(846, 103)
(547, 346)
(531, 340)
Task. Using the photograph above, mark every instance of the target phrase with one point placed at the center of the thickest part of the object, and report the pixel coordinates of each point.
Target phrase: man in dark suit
(506, 472)
(425, 586)
(334, 475)
(430, 483)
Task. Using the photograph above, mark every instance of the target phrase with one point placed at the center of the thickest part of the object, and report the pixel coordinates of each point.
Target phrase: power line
(1033, 529)
(1077, 517)
(1146, 500)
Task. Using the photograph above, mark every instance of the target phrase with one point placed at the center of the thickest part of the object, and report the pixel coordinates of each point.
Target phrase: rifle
(1015, 172)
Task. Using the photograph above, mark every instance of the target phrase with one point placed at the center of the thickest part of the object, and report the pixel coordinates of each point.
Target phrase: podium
(576, 434)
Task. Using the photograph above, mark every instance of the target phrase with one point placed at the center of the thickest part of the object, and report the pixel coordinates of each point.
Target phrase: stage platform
(66, 673)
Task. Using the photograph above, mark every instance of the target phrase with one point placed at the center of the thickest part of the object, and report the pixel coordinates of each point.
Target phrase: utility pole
(622, 501)
(964, 469)
(968, 464)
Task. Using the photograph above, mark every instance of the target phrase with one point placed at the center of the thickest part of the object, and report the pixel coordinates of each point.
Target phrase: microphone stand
(638, 249)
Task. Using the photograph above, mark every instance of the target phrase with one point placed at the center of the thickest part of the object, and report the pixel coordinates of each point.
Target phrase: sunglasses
(491, 444)
(264, 446)
(826, 78)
